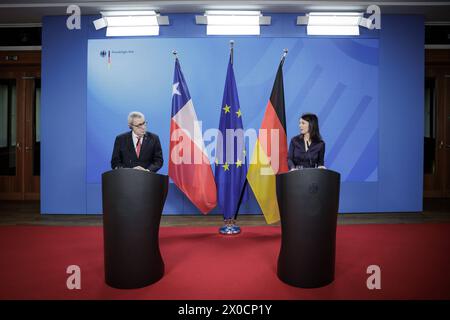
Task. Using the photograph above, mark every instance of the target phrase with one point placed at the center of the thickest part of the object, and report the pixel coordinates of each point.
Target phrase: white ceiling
(30, 11)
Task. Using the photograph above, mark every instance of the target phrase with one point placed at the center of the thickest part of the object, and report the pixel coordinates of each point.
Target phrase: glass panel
(447, 130)
(430, 127)
(37, 129)
(8, 122)
(447, 104)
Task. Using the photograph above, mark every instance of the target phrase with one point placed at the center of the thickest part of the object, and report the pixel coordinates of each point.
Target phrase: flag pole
(283, 57)
(174, 52)
(245, 183)
(231, 50)
(240, 198)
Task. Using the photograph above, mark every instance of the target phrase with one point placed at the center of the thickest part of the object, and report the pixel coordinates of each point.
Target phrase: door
(437, 128)
(32, 141)
(11, 174)
(444, 144)
(20, 88)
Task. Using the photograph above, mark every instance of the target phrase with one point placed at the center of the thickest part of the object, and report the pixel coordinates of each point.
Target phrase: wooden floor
(28, 213)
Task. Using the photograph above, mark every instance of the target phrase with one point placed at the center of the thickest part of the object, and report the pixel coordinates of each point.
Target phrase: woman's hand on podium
(322, 167)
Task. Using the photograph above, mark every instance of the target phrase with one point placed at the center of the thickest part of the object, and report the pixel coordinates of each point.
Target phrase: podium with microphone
(308, 200)
(133, 201)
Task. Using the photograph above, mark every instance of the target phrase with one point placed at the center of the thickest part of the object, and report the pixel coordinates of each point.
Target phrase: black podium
(133, 201)
(308, 200)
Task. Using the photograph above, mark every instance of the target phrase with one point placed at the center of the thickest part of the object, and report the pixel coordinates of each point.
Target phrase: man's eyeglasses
(140, 124)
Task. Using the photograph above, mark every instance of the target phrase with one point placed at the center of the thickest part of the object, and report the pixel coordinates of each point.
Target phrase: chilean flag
(189, 165)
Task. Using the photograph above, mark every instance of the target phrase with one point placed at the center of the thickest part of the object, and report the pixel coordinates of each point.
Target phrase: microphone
(309, 155)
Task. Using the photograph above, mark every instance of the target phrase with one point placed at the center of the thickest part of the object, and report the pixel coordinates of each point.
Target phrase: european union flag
(230, 164)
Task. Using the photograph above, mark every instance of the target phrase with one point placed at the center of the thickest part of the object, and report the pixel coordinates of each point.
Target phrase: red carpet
(200, 264)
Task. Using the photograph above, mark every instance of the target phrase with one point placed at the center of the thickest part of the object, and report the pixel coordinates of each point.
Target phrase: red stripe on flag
(272, 122)
(195, 180)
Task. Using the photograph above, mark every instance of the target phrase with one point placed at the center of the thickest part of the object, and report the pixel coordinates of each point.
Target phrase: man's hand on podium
(140, 168)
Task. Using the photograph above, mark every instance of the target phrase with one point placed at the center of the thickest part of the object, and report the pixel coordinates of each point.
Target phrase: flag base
(230, 228)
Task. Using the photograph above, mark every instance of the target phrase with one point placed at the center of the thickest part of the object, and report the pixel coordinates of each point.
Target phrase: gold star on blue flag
(226, 108)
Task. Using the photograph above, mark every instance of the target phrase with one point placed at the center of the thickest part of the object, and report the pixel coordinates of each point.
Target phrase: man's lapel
(130, 145)
(145, 142)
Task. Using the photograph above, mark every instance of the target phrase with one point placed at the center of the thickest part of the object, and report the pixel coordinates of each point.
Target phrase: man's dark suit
(124, 154)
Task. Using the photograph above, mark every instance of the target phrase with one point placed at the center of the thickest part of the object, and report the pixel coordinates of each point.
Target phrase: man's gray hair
(133, 115)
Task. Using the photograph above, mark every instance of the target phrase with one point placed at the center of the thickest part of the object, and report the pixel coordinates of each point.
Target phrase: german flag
(270, 153)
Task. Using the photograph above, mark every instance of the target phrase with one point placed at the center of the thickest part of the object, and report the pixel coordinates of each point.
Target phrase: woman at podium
(307, 150)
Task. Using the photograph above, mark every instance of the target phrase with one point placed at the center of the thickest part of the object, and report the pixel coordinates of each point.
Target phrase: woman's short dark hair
(313, 121)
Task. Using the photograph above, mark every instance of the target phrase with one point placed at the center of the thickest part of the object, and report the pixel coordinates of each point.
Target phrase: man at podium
(138, 148)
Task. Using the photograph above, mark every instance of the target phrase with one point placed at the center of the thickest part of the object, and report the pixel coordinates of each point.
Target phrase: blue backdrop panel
(63, 117)
(336, 79)
(402, 125)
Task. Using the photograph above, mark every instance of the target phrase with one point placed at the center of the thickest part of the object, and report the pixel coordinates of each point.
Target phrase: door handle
(28, 148)
(441, 145)
(18, 145)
